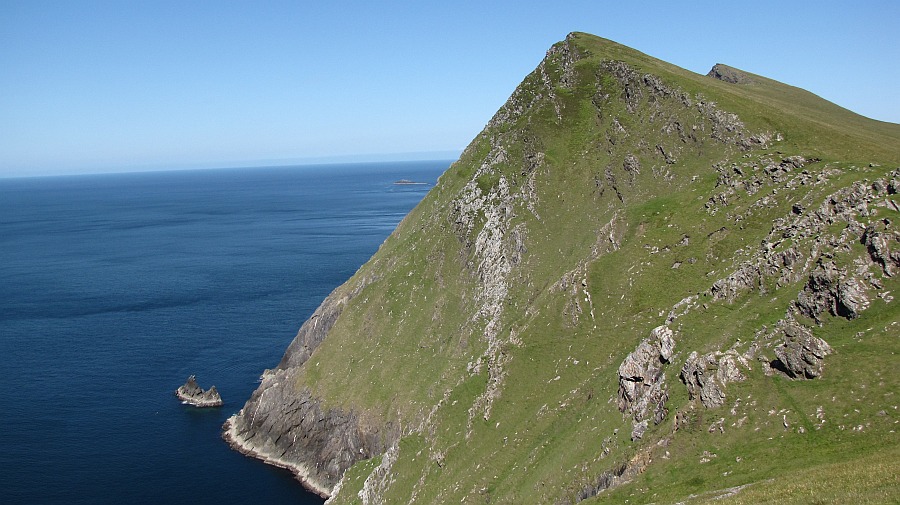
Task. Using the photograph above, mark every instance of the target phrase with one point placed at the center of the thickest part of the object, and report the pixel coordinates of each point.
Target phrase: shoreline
(300, 471)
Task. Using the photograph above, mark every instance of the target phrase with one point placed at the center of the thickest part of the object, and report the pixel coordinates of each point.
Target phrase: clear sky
(92, 86)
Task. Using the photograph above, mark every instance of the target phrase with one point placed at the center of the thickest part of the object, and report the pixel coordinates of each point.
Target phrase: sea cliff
(634, 279)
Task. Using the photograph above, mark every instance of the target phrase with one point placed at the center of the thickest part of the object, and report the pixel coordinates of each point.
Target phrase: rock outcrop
(707, 375)
(192, 394)
(831, 290)
(293, 430)
(728, 74)
(801, 355)
(642, 382)
(288, 427)
(882, 247)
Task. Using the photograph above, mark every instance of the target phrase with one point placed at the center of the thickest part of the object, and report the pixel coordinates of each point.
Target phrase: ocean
(115, 288)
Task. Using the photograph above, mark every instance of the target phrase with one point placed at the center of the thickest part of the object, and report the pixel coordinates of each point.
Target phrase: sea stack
(193, 394)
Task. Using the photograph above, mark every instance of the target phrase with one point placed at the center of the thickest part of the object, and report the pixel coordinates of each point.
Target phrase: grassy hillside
(485, 343)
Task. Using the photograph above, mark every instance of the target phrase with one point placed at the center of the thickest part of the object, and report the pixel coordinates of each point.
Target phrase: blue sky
(97, 86)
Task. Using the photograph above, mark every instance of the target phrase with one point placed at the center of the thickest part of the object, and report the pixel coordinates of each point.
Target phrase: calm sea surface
(115, 288)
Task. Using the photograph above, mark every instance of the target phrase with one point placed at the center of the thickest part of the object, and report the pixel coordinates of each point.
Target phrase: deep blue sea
(114, 288)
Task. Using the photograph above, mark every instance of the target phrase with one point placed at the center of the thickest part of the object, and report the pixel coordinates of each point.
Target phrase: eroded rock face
(313, 331)
(642, 388)
(193, 394)
(288, 428)
(830, 289)
(728, 74)
(707, 375)
(880, 244)
(802, 354)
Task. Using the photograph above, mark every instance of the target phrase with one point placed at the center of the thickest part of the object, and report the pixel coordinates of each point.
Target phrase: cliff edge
(637, 282)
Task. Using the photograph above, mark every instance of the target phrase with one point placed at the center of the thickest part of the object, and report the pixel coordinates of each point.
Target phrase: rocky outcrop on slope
(882, 246)
(707, 375)
(642, 382)
(192, 394)
(801, 355)
(728, 74)
(831, 290)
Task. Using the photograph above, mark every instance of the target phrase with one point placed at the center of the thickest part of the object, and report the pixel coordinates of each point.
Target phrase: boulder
(801, 355)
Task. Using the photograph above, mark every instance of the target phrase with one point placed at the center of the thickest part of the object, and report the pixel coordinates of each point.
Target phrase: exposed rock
(313, 331)
(639, 429)
(852, 298)
(291, 429)
(666, 342)
(193, 394)
(288, 428)
(802, 354)
(751, 274)
(829, 289)
(723, 126)
(706, 376)
(632, 166)
(615, 476)
(879, 245)
(380, 479)
(728, 74)
(642, 388)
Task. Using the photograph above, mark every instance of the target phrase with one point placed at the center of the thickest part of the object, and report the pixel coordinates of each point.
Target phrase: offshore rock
(193, 394)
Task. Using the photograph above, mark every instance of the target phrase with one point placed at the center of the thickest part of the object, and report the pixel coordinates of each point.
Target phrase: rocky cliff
(636, 280)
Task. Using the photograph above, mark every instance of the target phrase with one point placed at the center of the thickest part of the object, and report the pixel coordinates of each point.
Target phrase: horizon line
(446, 155)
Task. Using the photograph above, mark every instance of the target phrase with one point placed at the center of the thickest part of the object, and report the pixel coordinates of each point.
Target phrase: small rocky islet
(192, 394)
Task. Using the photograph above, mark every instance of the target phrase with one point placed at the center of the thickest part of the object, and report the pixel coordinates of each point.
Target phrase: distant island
(407, 182)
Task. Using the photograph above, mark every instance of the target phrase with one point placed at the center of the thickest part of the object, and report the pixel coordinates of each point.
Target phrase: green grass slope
(612, 194)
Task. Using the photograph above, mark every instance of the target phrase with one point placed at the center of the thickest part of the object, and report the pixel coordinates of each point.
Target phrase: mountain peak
(633, 277)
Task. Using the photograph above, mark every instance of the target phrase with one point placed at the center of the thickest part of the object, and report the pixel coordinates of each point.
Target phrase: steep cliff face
(632, 270)
(285, 425)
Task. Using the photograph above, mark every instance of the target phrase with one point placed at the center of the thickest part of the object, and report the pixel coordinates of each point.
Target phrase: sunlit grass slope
(505, 303)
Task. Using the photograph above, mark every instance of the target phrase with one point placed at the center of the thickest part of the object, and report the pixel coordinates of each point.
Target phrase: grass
(404, 348)
(872, 479)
